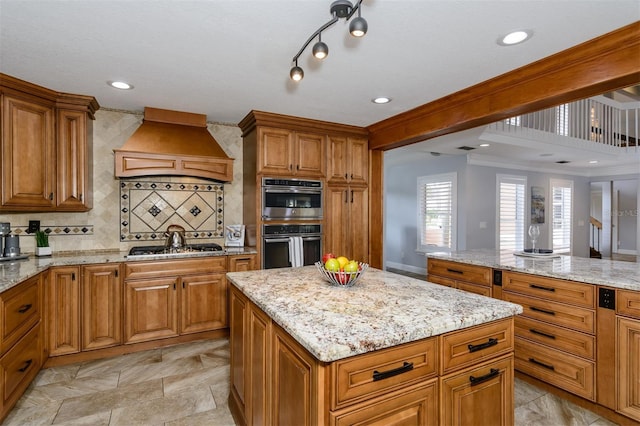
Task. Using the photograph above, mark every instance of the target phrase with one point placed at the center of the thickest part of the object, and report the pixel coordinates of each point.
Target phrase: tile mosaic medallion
(148, 207)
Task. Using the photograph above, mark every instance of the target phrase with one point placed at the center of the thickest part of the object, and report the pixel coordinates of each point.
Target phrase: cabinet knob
(51, 196)
(298, 167)
(81, 197)
(352, 195)
(346, 176)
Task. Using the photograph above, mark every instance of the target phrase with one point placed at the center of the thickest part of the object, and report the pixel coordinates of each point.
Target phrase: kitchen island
(306, 352)
(579, 333)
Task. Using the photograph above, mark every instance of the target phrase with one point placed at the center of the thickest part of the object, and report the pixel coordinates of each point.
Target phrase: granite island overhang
(382, 310)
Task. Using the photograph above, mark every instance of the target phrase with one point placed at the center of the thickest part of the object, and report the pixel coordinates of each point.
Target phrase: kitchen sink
(144, 252)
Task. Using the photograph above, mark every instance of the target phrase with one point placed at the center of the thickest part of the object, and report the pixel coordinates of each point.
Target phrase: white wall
(476, 206)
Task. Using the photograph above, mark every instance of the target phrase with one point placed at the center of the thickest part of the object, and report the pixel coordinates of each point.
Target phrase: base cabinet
(628, 363)
(101, 306)
(481, 395)
(63, 302)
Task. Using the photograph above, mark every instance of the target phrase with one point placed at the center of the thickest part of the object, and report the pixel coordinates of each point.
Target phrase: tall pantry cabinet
(290, 147)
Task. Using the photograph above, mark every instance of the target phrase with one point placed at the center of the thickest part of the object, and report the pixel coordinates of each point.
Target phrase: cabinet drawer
(460, 271)
(442, 281)
(568, 372)
(474, 288)
(379, 372)
(20, 307)
(555, 313)
(476, 344)
(550, 289)
(20, 365)
(480, 395)
(628, 303)
(416, 405)
(168, 268)
(570, 341)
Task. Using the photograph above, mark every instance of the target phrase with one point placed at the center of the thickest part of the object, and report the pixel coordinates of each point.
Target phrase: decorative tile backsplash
(56, 229)
(148, 207)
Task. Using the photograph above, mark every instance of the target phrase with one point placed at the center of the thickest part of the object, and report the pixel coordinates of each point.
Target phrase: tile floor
(188, 384)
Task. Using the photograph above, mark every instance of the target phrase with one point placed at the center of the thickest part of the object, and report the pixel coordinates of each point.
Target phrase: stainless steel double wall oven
(285, 201)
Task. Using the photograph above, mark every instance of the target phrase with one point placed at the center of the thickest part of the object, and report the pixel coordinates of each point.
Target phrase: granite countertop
(13, 272)
(382, 310)
(611, 273)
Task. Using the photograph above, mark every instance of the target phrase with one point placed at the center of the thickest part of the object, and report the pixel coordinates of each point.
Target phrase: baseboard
(406, 268)
(629, 252)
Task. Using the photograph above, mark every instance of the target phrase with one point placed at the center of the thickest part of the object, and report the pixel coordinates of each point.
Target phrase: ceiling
(224, 58)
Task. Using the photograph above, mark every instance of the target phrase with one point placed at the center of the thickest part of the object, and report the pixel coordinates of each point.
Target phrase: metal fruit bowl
(342, 279)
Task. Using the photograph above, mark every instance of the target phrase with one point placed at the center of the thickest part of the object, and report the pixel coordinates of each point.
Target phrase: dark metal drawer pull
(544, 311)
(25, 308)
(477, 380)
(475, 348)
(539, 287)
(26, 366)
(534, 331)
(542, 364)
(455, 271)
(406, 366)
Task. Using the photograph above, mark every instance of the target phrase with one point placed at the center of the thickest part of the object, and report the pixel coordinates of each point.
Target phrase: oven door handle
(311, 238)
(276, 240)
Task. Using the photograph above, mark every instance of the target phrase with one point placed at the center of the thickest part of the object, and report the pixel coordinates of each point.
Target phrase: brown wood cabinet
(284, 153)
(471, 278)
(555, 335)
(101, 306)
(21, 340)
(628, 350)
(347, 223)
(347, 161)
(63, 304)
(275, 380)
(46, 148)
(167, 298)
(242, 262)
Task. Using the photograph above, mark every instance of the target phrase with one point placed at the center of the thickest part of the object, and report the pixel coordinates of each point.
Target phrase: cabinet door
(337, 169)
(64, 310)
(242, 263)
(258, 366)
(358, 230)
(18, 367)
(337, 223)
(358, 161)
(28, 155)
(275, 152)
(150, 309)
(310, 155)
(294, 388)
(478, 396)
(74, 162)
(101, 306)
(203, 303)
(628, 367)
(238, 306)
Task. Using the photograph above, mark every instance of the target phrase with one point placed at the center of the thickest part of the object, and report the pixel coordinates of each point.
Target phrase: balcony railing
(613, 126)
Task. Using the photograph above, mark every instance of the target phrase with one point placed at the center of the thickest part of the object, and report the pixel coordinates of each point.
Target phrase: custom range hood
(173, 143)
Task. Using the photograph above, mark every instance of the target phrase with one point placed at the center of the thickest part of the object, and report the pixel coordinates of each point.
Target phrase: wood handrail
(595, 222)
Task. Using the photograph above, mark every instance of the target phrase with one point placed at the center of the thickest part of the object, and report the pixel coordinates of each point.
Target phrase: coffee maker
(5, 229)
(9, 243)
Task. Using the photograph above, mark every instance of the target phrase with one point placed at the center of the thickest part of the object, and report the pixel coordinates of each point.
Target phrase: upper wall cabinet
(348, 160)
(284, 152)
(45, 148)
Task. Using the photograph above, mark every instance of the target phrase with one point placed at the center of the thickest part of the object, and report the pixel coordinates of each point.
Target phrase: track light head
(358, 27)
(296, 73)
(320, 50)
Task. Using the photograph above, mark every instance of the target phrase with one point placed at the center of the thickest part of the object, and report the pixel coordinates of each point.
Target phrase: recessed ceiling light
(593, 162)
(381, 100)
(484, 145)
(120, 85)
(515, 37)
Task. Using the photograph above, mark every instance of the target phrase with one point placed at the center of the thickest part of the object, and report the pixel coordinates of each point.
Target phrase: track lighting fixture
(339, 9)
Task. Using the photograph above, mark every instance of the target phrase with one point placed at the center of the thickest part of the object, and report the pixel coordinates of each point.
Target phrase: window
(511, 212)
(561, 213)
(437, 212)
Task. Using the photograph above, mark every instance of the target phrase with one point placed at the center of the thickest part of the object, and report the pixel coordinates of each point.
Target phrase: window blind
(511, 212)
(436, 214)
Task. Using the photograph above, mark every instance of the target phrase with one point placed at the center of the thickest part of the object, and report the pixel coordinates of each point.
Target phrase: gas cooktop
(143, 252)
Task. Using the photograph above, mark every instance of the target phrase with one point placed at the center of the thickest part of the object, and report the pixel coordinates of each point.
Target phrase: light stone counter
(14, 272)
(612, 273)
(382, 310)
